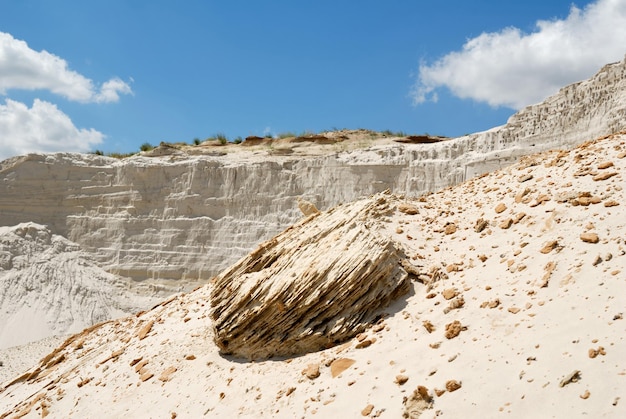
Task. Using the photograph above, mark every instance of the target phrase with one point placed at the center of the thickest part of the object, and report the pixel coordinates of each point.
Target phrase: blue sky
(111, 75)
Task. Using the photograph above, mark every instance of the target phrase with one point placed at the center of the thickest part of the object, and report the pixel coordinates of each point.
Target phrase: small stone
(312, 371)
(604, 176)
(408, 209)
(190, 357)
(364, 344)
(513, 310)
(572, 377)
(401, 379)
(453, 385)
(524, 178)
(589, 237)
(548, 247)
(450, 229)
(506, 224)
(585, 395)
(605, 165)
(480, 225)
(501, 207)
(450, 293)
(367, 410)
(428, 326)
(611, 203)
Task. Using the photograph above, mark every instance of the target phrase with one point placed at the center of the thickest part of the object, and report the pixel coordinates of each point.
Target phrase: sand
(516, 310)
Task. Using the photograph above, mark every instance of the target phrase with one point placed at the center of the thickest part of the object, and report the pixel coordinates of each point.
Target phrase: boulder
(313, 286)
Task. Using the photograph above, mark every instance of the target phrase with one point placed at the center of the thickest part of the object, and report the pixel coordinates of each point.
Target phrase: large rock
(314, 285)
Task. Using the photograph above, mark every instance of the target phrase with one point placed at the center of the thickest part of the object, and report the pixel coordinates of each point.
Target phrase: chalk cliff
(186, 214)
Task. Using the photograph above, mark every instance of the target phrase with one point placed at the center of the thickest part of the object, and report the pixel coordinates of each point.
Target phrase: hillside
(514, 306)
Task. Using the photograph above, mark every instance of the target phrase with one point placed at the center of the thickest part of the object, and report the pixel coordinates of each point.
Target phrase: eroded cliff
(187, 214)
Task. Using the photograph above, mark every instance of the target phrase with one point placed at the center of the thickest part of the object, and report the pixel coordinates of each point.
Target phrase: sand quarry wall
(188, 217)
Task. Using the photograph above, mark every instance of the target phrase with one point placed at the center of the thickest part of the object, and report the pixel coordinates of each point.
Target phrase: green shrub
(221, 138)
(146, 147)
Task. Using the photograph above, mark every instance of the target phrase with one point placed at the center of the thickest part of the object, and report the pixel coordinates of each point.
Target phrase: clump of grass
(146, 147)
(238, 140)
(286, 134)
(221, 138)
(196, 141)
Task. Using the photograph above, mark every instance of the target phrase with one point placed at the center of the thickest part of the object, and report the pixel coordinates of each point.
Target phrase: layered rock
(314, 285)
(187, 214)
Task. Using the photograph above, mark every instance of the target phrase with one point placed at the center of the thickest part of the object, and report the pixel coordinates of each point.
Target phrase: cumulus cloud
(41, 128)
(24, 68)
(514, 69)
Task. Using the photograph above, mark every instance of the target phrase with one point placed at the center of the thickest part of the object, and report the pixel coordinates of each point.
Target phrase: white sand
(557, 307)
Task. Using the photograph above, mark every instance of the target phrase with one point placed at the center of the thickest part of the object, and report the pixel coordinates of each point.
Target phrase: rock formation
(314, 285)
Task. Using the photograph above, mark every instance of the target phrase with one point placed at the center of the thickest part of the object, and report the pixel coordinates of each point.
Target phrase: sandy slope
(524, 311)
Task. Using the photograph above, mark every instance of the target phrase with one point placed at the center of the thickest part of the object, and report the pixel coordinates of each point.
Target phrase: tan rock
(166, 375)
(605, 165)
(307, 208)
(408, 209)
(312, 371)
(480, 225)
(549, 246)
(501, 207)
(506, 224)
(589, 237)
(367, 410)
(450, 228)
(428, 326)
(604, 176)
(145, 330)
(339, 365)
(401, 379)
(449, 293)
(453, 385)
(453, 329)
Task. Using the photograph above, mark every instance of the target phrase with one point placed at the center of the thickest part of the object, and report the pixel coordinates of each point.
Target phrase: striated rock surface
(187, 214)
(48, 286)
(316, 284)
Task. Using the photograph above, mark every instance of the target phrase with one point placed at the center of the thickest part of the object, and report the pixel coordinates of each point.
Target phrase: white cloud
(24, 68)
(514, 69)
(41, 128)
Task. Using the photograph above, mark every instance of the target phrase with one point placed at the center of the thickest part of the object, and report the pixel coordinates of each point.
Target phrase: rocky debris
(316, 284)
(417, 403)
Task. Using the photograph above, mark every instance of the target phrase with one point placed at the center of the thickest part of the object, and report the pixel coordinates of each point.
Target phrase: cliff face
(185, 217)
